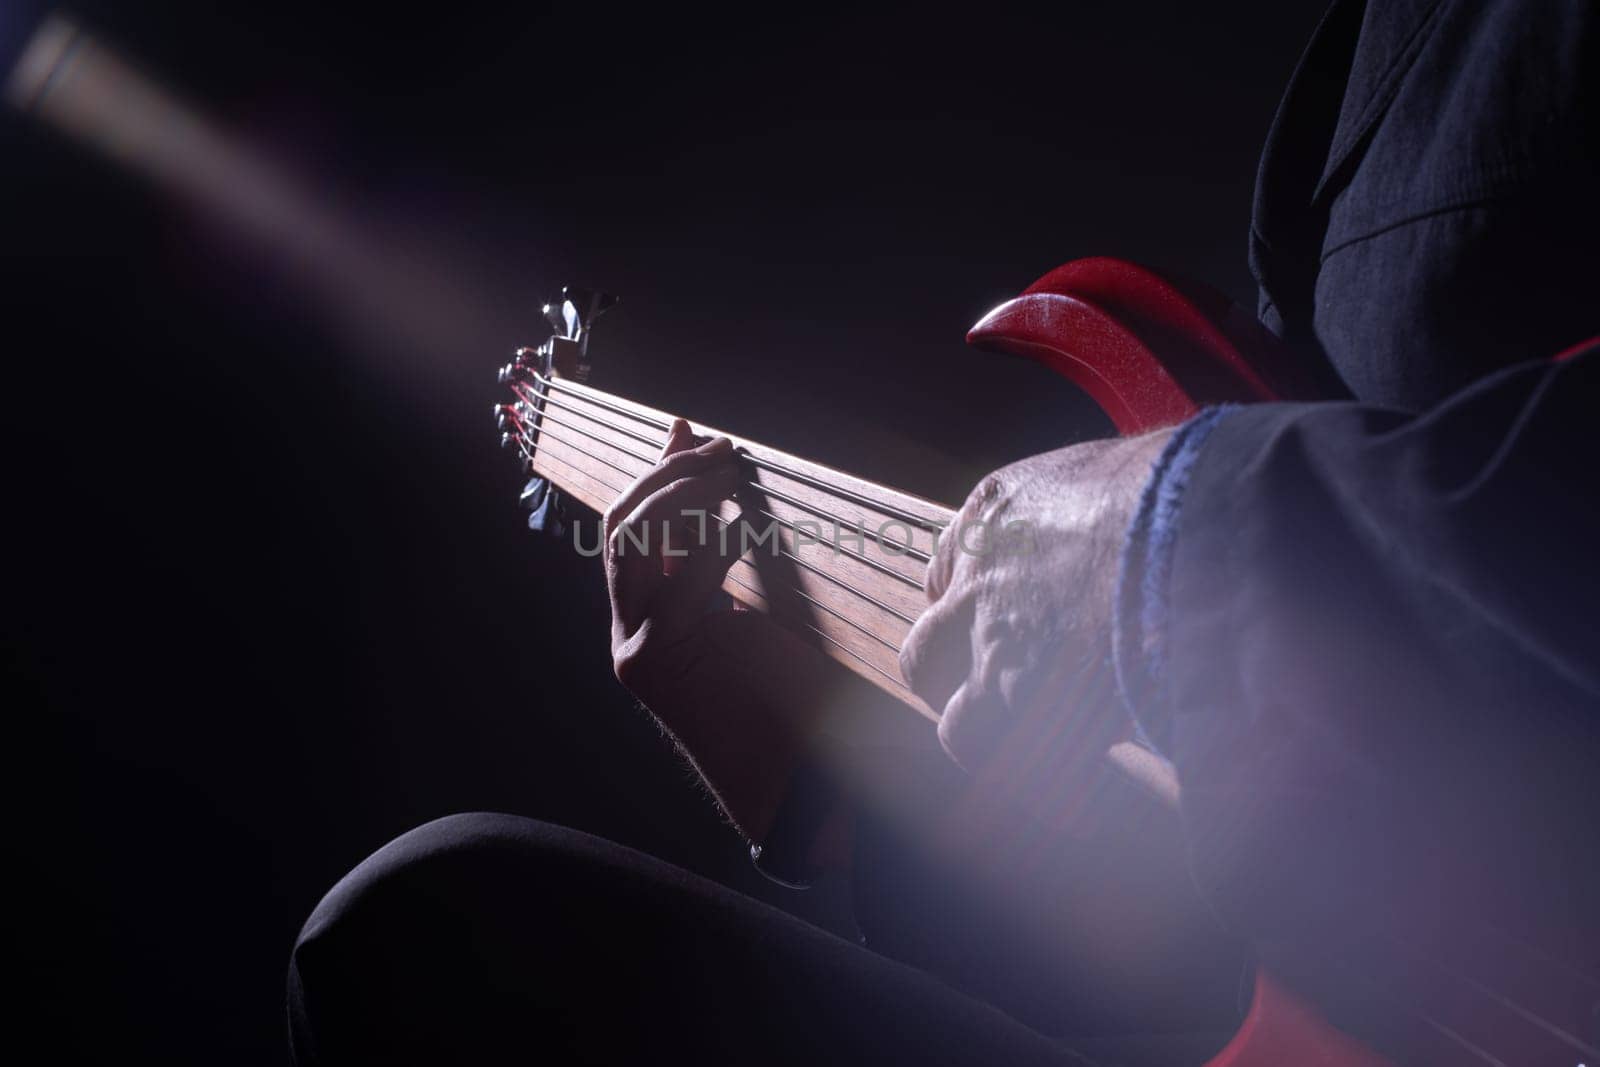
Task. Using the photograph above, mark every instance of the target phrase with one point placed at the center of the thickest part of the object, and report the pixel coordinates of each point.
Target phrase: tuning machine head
(565, 355)
(525, 363)
(572, 314)
(505, 417)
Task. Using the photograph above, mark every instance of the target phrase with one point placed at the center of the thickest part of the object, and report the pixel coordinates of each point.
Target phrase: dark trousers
(491, 938)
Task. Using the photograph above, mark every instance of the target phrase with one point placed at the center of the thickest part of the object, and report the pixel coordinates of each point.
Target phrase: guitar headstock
(564, 355)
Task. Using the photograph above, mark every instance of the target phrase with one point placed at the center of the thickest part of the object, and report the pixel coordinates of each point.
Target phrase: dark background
(268, 598)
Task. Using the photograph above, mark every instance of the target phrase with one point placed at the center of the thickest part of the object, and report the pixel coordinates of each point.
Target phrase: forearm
(1368, 648)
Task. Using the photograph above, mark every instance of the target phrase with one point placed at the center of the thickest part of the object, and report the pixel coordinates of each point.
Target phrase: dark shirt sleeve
(1368, 641)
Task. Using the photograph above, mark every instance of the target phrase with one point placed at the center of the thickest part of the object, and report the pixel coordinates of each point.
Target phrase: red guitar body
(1152, 352)
(1149, 350)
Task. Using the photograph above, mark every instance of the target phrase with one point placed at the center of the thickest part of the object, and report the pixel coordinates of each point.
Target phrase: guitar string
(896, 682)
(891, 510)
(1557, 1030)
(828, 575)
(862, 529)
(526, 447)
(1392, 994)
(600, 400)
(595, 397)
(890, 545)
(838, 523)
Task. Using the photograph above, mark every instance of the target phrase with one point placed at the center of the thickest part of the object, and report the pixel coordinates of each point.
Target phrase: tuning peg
(573, 313)
(555, 313)
(525, 363)
(533, 494)
(590, 303)
(515, 371)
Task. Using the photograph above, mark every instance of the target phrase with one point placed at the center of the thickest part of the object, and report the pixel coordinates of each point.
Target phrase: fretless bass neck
(836, 559)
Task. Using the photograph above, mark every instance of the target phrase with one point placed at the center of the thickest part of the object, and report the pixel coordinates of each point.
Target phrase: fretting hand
(736, 690)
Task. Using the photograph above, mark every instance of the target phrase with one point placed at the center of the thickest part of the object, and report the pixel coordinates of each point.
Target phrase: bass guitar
(1151, 352)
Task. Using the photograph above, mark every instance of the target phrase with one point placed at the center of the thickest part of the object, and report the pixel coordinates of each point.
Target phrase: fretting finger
(645, 529)
(680, 458)
(638, 546)
(936, 656)
(632, 578)
(680, 438)
(702, 573)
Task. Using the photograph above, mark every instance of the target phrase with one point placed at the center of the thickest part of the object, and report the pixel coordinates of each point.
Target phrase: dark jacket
(1380, 654)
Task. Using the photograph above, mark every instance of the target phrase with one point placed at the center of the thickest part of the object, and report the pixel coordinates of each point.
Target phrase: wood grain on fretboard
(848, 572)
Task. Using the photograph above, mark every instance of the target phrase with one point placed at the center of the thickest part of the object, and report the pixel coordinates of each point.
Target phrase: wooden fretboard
(844, 564)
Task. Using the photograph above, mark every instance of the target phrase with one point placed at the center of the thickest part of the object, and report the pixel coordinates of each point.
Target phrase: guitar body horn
(1150, 350)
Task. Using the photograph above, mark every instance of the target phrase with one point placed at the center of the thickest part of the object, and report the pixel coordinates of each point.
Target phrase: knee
(397, 876)
(390, 936)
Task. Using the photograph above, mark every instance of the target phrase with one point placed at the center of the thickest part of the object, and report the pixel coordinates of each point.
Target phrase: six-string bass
(1148, 350)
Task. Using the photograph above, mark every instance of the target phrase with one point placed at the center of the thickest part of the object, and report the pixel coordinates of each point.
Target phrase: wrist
(811, 828)
(1140, 604)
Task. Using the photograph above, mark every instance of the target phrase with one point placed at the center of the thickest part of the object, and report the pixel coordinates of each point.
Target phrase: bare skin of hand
(735, 689)
(1015, 645)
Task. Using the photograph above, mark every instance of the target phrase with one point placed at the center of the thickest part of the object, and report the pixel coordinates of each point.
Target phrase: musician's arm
(738, 694)
(1368, 642)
